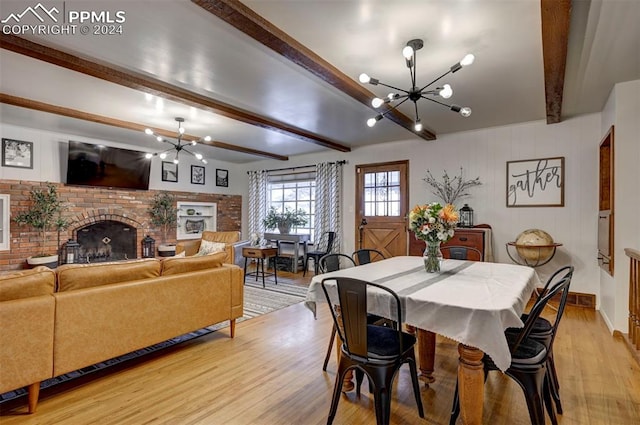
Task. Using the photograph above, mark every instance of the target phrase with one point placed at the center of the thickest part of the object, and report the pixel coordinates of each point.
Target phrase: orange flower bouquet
(433, 224)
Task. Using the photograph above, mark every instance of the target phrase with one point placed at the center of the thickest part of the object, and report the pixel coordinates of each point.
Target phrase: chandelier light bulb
(371, 122)
(199, 156)
(364, 78)
(163, 155)
(207, 138)
(148, 155)
(148, 131)
(159, 139)
(377, 102)
(391, 96)
(204, 161)
(465, 112)
(193, 143)
(446, 91)
(467, 60)
(181, 130)
(418, 125)
(407, 52)
(175, 161)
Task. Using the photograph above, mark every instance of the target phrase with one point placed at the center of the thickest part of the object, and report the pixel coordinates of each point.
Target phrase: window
(298, 194)
(382, 193)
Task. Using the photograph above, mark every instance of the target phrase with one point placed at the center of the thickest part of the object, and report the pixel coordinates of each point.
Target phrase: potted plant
(43, 215)
(164, 213)
(283, 221)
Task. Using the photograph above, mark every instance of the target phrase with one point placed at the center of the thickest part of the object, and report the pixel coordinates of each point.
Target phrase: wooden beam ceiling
(556, 15)
(86, 116)
(158, 88)
(246, 20)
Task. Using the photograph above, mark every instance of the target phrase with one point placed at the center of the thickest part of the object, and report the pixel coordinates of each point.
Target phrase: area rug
(257, 301)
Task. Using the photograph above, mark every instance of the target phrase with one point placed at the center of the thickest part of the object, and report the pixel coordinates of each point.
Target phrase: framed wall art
(17, 153)
(197, 174)
(169, 172)
(222, 177)
(535, 182)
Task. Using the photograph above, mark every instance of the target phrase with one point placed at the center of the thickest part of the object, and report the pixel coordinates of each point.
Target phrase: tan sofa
(233, 245)
(105, 310)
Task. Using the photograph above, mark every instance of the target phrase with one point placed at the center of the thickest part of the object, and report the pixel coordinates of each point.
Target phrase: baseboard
(578, 299)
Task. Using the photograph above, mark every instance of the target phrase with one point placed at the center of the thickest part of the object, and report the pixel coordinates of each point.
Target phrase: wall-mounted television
(99, 165)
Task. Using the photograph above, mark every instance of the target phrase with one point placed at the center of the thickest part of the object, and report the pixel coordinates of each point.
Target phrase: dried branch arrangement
(450, 189)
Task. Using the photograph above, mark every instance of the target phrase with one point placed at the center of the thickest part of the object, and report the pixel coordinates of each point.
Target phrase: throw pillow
(209, 247)
(182, 254)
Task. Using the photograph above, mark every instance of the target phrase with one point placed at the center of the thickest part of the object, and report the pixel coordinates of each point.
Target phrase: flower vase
(432, 257)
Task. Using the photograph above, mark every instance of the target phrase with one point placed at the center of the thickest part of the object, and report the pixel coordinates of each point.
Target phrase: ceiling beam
(255, 26)
(556, 15)
(158, 88)
(100, 119)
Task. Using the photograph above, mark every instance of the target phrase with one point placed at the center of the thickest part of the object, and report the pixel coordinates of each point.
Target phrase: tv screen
(99, 165)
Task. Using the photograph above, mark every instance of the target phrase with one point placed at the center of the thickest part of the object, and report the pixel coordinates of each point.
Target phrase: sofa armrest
(189, 247)
(238, 259)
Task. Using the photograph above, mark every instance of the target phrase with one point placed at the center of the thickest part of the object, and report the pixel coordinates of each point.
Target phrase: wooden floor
(271, 373)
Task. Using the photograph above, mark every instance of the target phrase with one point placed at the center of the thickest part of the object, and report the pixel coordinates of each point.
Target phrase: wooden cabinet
(475, 237)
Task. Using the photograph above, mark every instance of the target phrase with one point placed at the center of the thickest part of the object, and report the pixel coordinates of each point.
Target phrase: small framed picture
(222, 177)
(16, 153)
(197, 174)
(169, 172)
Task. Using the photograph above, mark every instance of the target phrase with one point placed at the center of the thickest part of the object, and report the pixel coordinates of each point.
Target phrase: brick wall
(84, 203)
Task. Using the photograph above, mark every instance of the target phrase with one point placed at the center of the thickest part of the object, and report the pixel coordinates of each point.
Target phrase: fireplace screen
(107, 240)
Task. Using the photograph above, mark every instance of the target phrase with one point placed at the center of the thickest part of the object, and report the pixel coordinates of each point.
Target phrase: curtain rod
(301, 166)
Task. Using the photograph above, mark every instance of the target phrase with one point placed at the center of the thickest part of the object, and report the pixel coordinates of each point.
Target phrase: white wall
(623, 111)
(484, 153)
(50, 163)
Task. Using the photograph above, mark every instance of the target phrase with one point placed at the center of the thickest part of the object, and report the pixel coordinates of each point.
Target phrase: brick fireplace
(88, 206)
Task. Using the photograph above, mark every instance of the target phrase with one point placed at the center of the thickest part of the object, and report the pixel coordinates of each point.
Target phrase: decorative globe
(534, 237)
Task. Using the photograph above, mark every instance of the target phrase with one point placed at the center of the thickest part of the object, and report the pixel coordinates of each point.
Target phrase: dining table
(467, 301)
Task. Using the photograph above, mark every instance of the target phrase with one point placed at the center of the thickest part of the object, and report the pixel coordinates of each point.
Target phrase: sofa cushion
(210, 247)
(78, 276)
(38, 281)
(176, 265)
(226, 237)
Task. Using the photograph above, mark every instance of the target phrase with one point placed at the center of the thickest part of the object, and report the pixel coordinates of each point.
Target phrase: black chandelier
(179, 146)
(415, 93)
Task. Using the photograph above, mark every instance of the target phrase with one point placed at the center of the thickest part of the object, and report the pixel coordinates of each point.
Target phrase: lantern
(70, 252)
(466, 216)
(148, 247)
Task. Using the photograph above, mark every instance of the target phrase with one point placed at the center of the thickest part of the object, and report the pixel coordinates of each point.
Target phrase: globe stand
(529, 262)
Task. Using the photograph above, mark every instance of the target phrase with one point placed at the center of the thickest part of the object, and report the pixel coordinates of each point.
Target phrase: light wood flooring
(271, 373)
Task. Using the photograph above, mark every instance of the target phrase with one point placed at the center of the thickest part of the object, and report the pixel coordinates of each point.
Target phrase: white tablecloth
(470, 302)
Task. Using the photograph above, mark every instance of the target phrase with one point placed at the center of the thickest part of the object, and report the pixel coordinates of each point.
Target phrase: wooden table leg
(347, 382)
(426, 353)
(470, 384)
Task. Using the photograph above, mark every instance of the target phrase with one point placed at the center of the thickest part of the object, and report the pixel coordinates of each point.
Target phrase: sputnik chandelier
(415, 93)
(179, 146)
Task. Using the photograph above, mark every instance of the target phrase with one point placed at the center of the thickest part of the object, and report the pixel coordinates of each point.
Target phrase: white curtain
(257, 201)
(328, 204)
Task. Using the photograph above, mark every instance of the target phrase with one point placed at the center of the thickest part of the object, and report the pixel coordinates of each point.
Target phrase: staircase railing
(634, 298)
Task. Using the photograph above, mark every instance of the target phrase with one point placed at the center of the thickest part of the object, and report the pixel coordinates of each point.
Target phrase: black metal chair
(544, 331)
(462, 253)
(375, 351)
(332, 263)
(316, 255)
(529, 359)
(366, 255)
